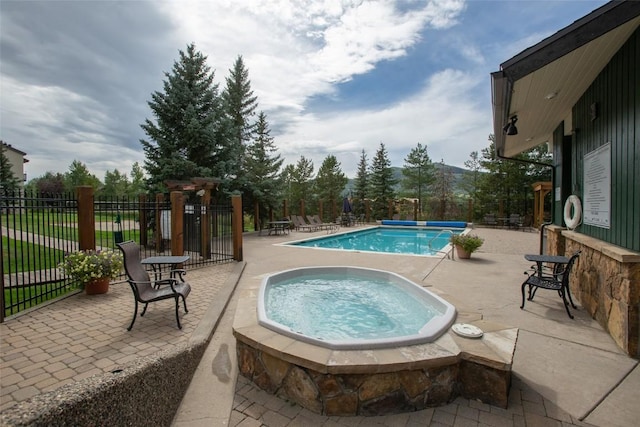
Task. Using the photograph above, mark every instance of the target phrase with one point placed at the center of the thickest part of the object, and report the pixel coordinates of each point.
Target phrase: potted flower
(92, 270)
(466, 244)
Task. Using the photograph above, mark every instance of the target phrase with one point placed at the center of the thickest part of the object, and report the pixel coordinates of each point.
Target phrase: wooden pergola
(540, 191)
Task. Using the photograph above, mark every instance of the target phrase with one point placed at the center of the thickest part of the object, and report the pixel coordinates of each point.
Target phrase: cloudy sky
(332, 76)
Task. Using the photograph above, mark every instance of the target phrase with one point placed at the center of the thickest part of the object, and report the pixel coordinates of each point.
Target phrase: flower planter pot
(462, 254)
(97, 286)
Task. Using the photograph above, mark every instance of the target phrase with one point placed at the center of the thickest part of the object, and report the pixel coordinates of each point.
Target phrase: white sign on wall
(597, 187)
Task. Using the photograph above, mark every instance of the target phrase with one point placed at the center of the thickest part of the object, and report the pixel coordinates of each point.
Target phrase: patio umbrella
(346, 205)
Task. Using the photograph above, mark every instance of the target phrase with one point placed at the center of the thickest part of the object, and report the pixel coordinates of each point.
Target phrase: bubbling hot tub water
(351, 308)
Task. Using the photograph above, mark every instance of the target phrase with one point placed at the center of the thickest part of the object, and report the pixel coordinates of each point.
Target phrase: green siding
(617, 94)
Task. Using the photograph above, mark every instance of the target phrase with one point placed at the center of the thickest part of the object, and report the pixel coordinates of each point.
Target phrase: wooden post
(177, 223)
(86, 219)
(285, 209)
(367, 210)
(302, 208)
(256, 216)
(390, 209)
(159, 224)
(205, 225)
(236, 226)
(415, 210)
(470, 211)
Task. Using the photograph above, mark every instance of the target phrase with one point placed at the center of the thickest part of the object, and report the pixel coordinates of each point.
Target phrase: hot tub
(373, 376)
(351, 308)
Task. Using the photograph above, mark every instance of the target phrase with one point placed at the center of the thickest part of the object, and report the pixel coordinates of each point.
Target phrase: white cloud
(442, 116)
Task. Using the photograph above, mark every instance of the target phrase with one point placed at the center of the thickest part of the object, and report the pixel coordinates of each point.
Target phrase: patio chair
(490, 219)
(556, 279)
(515, 221)
(144, 289)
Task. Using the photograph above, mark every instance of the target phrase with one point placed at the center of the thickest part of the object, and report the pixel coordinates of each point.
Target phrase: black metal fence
(39, 229)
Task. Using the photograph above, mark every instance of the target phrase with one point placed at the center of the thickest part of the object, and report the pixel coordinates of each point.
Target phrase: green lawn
(19, 256)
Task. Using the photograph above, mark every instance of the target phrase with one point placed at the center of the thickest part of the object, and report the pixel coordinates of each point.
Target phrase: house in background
(17, 160)
(579, 91)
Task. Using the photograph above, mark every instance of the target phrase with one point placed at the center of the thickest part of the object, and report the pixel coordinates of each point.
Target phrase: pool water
(339, 307)
(410, 240)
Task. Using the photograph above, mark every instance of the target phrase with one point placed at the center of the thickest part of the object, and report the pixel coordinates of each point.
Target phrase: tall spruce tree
(442, 190)
(189, 137)
(330, 183)
(418, 174)
(361, 185)
(381, 183)
(240, 104)
(301, 184)
(262, 167)
(471, 181)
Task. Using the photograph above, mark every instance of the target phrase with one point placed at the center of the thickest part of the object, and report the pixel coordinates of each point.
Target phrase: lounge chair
(146, 290)
(315, 220)
(555, 280)
(300, 225)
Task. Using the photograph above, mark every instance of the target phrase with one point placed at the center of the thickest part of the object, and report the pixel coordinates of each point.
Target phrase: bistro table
(158, 262)
(277, 227)
(557, 261)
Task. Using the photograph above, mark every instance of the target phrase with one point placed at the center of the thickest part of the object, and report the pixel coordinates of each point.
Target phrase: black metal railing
(39, 229)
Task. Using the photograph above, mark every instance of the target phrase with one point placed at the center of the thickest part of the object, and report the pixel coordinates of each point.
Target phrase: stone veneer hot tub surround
(380, 381)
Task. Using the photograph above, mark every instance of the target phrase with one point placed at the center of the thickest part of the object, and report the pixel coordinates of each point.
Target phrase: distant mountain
(397, 174)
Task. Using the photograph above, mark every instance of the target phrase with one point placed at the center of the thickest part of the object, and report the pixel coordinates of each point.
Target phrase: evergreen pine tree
(418, 175)
(442, 190)
(330, 183)
(301, 184)
(381, 183)
(189, 137)
(240, 104)
(361, 185)
(262, 167)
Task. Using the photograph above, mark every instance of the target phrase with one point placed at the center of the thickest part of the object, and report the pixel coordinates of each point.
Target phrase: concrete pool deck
(565, 372)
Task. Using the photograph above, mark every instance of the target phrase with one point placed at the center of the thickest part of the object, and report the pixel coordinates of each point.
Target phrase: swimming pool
(395, 240)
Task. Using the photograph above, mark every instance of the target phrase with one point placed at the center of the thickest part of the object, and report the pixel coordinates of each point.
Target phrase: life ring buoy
(572, 219)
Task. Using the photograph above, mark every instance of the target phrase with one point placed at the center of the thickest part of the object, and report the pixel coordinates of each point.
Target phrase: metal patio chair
(144, 289)
(555, 279)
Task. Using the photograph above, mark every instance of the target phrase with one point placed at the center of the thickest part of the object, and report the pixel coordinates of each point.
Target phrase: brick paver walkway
(83, 335)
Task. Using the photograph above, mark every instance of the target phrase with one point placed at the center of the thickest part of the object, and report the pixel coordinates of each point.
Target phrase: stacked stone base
(376, 393)
(606, 282)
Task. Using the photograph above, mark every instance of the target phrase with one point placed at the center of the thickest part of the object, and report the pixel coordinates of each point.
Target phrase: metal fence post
(236, 226)
(177, 223)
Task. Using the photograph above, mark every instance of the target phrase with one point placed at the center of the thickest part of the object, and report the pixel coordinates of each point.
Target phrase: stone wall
(148, 392)
(606, 281)
(372, 394)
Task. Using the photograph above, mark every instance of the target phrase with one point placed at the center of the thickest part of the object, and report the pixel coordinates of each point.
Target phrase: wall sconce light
(510, 128)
